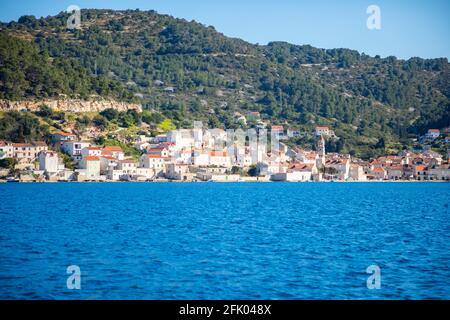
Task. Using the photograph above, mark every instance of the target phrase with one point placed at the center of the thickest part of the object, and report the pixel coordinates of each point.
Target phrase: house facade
(49, 162)
(6, 149)
(322, 131)
(379, 173)
(394, 172)
(114, 151)
(91, 151)
(154, 162)
(28, 151)
(73, 149)
(432, 134)
(61, 137)
(91, 167)
(298, 172)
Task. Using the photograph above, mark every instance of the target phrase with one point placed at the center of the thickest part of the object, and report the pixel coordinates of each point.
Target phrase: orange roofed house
(61, 137)
(219, 158)
(420, 172)
(379, 173)
(111, 151)
(342, 167)
(159, 151)
(432, 134)
(322, 131)
(90, 166)
(154, 162)
(28, 151)
(114, 151)
(277, 130)
(297, 172)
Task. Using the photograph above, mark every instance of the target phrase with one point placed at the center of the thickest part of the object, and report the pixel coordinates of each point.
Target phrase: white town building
(73, 148)
(49, 162)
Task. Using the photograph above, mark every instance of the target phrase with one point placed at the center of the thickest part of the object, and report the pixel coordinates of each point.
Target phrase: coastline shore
(224, 181)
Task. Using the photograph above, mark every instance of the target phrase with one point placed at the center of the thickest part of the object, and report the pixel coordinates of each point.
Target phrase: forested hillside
(188, 71)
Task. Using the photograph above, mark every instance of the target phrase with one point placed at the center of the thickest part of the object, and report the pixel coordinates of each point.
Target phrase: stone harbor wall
(68, 105)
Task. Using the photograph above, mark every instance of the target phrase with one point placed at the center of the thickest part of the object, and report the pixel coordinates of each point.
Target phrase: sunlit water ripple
(225, 241)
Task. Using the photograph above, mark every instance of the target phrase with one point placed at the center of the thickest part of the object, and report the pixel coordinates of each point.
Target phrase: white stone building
(50, 162)
(73, 148)
(91, 151)
(154, 162)
(6, 149)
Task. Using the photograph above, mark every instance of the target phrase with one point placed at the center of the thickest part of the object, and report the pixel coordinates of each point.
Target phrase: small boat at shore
(12, 179)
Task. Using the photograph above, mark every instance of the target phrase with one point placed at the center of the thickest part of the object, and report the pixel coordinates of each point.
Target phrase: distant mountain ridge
(190, 71)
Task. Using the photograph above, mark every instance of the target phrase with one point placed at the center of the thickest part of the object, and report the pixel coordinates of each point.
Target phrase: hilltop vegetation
(185, 71)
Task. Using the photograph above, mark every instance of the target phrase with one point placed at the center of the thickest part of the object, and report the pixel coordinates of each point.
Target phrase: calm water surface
(225, 241)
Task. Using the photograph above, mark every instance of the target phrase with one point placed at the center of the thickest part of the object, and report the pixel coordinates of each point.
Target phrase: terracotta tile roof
(94, 148)
(337, 161)
(5, 143)
(22, 145)
(155, 156)
(218, 153)
(40, 144)
(113, 148)
(301, 166)
(108, 157)
(379, 170)
(277, 128)
(91, 158)
(34, 144)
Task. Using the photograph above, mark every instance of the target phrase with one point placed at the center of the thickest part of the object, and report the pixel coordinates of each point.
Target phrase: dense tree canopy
(181, 70)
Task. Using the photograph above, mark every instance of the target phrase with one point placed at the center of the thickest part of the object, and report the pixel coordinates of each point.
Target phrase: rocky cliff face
(68, 105)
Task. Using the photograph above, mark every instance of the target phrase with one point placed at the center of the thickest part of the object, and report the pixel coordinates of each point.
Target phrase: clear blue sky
(409, 28)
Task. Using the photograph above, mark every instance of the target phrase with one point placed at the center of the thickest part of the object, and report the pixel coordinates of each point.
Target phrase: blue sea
(225, 241)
